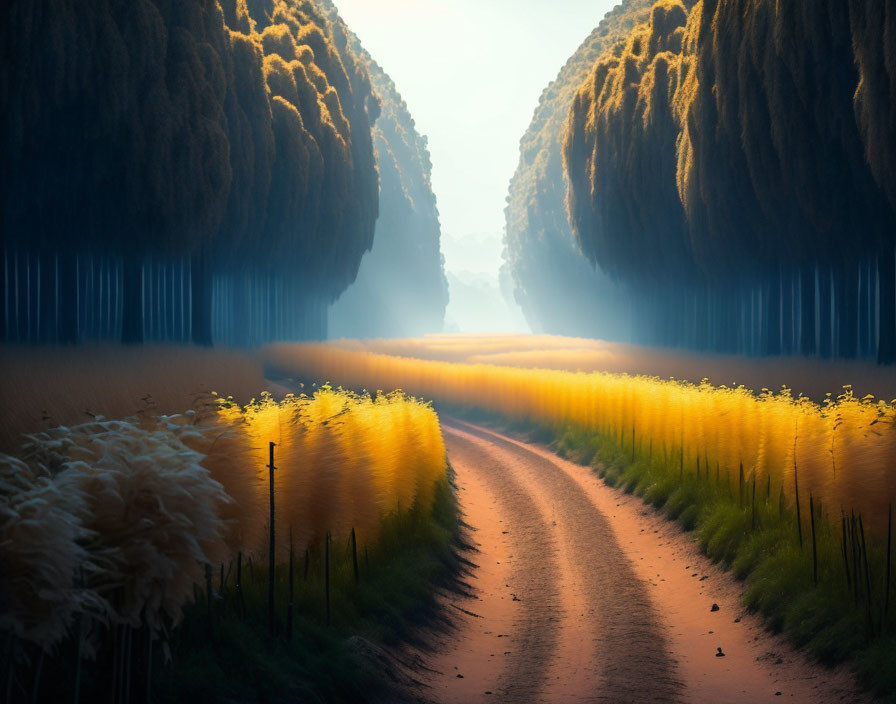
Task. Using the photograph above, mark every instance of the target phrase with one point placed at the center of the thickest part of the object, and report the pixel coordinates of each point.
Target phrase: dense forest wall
(558, 290)
(401, 289)
(180, 170)
(731, 167)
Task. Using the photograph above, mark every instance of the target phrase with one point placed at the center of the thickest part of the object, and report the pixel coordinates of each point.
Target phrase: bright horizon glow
(471, 73)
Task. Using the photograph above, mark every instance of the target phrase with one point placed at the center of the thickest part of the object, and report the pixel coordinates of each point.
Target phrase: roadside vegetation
(794, 497)
(258, 553)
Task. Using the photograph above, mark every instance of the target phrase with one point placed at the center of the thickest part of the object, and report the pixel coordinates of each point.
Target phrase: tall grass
(344, 461)
(111, 528)
(842, 450)
(792, 496)
(809, 376)
(830, 593)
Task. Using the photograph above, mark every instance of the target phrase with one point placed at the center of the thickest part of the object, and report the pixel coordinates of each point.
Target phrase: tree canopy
(236, 133)
(401, 289)
(556, 287)
(739, 142)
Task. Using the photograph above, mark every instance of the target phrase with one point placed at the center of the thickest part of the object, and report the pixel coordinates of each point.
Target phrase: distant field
(842, 449)
(807, 376)
(44, 387)
(48, 386)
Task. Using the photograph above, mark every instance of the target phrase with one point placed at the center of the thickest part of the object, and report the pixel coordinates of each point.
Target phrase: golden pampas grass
(344, 460)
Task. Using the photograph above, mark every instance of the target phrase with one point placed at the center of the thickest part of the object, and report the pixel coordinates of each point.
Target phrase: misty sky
(471, 72)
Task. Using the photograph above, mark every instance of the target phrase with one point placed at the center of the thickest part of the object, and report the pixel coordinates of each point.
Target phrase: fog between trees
(558, 290)
(401, 289)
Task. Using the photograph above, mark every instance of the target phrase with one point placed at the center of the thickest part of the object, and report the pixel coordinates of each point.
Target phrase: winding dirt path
(582, 594)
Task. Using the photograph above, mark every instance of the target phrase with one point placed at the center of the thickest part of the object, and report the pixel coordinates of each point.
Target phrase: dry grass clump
(41, 553)
(109, 520)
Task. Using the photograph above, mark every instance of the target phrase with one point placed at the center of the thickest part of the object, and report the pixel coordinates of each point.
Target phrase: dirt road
(582, 594)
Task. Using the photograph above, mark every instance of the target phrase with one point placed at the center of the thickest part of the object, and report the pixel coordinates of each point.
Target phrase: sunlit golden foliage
(844, 449)
(810, 377)
(873, 25)
(321, 203)
(621, 140)
(343, 461)
(113, 521)
(773, 144)
(727, 149)
(756, 114)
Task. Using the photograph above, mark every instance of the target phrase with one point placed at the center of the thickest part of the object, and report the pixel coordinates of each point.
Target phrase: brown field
(44, 387)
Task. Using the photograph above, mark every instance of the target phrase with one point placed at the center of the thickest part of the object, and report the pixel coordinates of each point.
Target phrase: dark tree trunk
(825, 346)
(201, 289)
(15, 331)
(31, 298)
(787, 313)
(132, 301)
(807, 309)
(732, 319)
(886, 272)
(750, 341)
(240, 314)
(46, 290)
(847, 304)
(721, 321)
(861, 311)
(773, 315)
(320, 317)
(670, 322)
(68, 298)
(4, 298)
(867, 308)
(706, 330)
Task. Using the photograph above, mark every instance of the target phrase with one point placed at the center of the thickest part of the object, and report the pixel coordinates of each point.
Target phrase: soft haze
(479, 300)
(471, 72)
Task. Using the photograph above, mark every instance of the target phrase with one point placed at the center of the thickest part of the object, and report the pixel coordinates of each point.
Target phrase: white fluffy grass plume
(41, 531)
(129, 509)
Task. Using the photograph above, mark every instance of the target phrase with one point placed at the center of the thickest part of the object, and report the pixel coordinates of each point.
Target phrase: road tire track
(584, 594)
(580, 626)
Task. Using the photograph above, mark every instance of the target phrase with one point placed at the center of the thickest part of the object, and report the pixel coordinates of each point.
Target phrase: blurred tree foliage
(401, 289)
(556, 287)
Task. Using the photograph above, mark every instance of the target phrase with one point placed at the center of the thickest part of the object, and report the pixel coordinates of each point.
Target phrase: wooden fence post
(272, 546)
